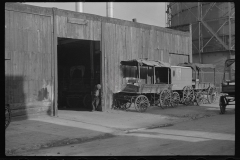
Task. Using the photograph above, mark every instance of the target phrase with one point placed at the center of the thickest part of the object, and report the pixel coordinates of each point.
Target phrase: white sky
(152, 13)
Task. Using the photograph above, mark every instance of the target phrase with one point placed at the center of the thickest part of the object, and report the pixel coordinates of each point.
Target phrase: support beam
(199, 31)
(190, 10)
(215, 35)
(55, 66)
(212, 4)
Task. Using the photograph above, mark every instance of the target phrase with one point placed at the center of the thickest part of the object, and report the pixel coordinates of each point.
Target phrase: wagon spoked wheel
(199, 98)
(165, 98)
(87, 101)
(141, 103)
(188, 95)
(222, 104)
(212, 95)
(127, 105)
(175, 99)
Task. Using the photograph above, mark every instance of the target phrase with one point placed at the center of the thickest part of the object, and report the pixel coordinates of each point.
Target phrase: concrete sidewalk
(45, 131)
(72, 127)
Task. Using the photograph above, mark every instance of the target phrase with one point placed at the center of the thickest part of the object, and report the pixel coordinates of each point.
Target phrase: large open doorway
(78, 73)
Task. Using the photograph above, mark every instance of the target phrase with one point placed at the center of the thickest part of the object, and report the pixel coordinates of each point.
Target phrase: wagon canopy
(229, 62)
(197, 66)
(144, 62)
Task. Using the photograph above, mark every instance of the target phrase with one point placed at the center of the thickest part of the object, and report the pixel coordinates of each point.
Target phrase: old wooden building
(46, 45)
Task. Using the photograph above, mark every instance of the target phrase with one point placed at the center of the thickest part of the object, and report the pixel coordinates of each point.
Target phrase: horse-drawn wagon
(143, 86)
(201, 90)
(153, 83)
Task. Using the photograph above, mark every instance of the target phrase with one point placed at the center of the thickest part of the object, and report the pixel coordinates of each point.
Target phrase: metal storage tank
(213, 29)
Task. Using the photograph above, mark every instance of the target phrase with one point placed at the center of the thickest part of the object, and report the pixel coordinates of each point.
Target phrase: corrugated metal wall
(122, 42)
(28, 83)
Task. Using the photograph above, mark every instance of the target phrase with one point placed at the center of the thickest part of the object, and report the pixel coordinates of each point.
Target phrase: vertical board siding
(133, 42)
(126, 43)
(89, 31)
(28, 43)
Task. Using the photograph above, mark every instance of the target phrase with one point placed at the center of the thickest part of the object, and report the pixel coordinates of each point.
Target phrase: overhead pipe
(79, 6)
(109, 7)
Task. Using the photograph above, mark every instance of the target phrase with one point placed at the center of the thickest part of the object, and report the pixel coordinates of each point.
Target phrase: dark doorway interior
(163, 75)
(78, 73)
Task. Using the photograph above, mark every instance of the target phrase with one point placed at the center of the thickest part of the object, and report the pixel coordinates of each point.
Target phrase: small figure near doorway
(96, 97)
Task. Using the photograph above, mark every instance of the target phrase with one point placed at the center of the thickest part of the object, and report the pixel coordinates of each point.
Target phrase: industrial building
(47, 45)
(213, 30)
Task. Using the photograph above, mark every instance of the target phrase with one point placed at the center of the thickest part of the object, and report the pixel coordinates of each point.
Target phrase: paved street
(204, 135)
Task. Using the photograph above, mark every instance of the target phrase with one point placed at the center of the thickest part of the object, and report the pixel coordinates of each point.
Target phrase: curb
(57, 143)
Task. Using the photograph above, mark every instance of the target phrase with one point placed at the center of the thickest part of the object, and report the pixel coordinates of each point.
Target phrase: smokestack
(110, 9)
(79, 6)
(134, 20)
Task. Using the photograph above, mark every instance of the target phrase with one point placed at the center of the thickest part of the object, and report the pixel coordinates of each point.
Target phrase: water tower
(213, 29)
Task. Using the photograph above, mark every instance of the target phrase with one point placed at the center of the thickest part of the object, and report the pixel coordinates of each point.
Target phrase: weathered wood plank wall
(122, 42)
(77, 27)
(28, 40)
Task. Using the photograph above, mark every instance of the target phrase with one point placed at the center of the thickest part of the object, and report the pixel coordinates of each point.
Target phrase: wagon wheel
(212, 95)
(127, 105)
(199, 98)
(87, 100)
(141, 103)
(175, 99)
(165, 98)
(188, 95)
(222, 104)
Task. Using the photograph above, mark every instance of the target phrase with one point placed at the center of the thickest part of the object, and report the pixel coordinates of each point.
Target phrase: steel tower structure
(213, 27)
